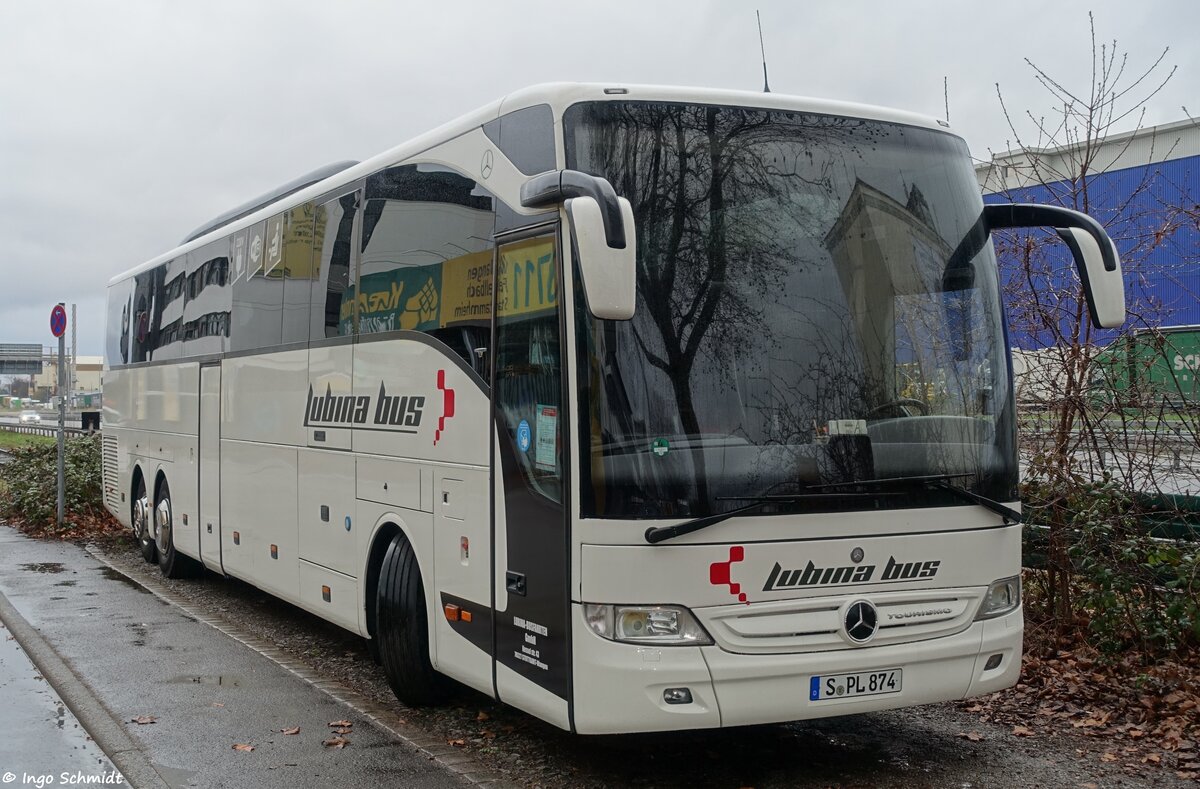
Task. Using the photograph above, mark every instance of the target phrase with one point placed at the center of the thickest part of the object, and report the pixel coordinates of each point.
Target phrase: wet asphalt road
(36, 728)
(206, 692)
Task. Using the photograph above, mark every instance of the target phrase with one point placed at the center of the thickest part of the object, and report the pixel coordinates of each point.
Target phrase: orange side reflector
(466, 616)
(274, 551)
(325, 594)
(452, 612)
(237, 538)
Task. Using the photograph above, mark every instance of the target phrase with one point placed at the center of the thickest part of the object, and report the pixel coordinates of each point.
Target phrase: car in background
(30, 418)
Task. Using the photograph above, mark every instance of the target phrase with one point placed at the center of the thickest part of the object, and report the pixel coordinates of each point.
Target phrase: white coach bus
(636, 408)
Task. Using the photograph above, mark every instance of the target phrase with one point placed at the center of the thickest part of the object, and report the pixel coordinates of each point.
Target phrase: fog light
(677, 696)
(993, 662)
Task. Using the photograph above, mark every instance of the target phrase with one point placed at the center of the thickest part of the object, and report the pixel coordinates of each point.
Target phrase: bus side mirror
(602, 234)
(609, 275)
(1095, 255)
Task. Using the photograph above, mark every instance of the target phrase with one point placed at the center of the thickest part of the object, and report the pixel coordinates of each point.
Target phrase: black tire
(402, 629)
(143, 528)
(172, 563)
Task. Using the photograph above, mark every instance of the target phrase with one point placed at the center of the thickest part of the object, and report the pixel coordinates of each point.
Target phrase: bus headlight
(662, 625)
(1002, 597)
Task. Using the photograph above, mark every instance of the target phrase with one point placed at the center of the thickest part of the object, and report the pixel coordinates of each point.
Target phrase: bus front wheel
(402, 629)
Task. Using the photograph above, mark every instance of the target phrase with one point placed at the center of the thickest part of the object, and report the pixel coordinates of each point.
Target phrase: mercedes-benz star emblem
(857, 555)
(862, 620)
(485, 166)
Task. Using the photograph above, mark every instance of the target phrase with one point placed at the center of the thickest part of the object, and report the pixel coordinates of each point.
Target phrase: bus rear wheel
(142, 527)
(172, 563)
(402, 629)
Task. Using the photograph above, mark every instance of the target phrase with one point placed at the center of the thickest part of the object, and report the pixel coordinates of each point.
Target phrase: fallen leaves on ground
(290, 730)
(1151, 714)
(81, 527)
(973, 736)
(337, 743)
(142, 720)
(242, 746)
(340, 724)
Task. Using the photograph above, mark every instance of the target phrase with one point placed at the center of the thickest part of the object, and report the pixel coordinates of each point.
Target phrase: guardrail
(45, 430)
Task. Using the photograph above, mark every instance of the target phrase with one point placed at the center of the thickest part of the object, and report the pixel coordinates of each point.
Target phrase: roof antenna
(946, 95)
(763, 49)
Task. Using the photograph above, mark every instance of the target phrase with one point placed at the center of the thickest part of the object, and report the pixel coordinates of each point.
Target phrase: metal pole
(62, 420)
(74, 367)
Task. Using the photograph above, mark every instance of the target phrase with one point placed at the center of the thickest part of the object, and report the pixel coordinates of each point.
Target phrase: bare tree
(1088, 413)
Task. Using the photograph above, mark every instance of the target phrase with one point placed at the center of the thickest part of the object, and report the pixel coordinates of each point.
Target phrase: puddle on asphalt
(222, 680)
(113, 575)
(43, 567)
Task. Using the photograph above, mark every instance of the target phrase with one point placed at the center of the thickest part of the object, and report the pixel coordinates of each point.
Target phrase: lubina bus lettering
(708, 382)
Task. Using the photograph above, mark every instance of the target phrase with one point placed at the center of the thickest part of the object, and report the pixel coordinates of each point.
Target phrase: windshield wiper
(656, 534)
(935, 482)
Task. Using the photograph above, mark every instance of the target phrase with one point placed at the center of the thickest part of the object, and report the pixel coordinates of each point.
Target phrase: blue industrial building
(1144, 187)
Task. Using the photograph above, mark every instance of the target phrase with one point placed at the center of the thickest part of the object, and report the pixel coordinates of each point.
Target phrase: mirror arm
(553, 188)
(1035, 215)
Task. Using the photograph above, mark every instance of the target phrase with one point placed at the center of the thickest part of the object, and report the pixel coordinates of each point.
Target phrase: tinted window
(427, 257)
(298, 270)
(256, 320)
(206, 312)
(158, 298)
(331, 313)
(526, 137)
(120, 319)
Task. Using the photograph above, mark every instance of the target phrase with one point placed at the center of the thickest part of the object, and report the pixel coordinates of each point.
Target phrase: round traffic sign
(58, 320)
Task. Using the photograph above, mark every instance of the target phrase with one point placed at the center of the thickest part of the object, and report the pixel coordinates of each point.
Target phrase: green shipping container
(1160, 364)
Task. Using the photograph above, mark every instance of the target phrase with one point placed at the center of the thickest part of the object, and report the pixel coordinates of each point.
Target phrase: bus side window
(331, 312)
(427, 258)
(257, 321)
(299, 271)
(528, 385)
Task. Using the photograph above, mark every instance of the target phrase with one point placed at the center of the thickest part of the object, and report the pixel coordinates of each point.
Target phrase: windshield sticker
(547, 437)
(524, 437)
(660, 446)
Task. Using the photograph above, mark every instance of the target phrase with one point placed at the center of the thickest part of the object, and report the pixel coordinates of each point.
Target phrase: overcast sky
(124, 125)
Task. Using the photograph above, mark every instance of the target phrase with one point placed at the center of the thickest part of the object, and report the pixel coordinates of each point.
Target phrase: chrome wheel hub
(162, 522)
(141, 515)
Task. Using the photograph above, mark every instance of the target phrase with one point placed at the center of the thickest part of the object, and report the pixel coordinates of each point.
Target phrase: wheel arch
(160, 476)
(386, 529)
(136, 476)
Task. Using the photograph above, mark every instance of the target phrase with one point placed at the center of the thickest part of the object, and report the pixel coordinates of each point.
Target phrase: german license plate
(864, 683)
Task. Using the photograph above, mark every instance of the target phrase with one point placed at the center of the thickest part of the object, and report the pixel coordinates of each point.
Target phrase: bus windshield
(803, 319)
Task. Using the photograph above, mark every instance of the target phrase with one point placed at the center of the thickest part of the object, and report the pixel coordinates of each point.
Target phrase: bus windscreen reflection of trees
(791, 273)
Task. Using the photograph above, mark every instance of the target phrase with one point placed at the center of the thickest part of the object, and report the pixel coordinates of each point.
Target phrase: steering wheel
(898, 403)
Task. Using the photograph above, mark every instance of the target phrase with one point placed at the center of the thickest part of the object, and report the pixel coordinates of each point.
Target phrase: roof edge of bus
(562, 94)
(559, 95)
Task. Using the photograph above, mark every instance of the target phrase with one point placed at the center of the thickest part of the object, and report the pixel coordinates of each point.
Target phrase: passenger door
(531, 545)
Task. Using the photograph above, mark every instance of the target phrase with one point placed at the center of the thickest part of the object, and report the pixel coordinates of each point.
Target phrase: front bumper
(619, 687)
